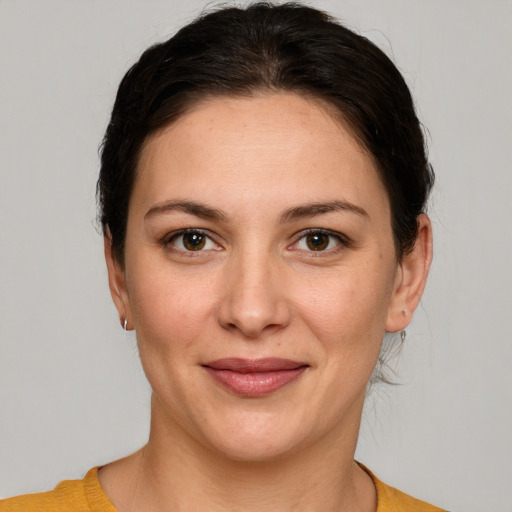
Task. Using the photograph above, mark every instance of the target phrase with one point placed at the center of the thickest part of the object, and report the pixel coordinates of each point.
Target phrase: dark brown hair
(263, 47)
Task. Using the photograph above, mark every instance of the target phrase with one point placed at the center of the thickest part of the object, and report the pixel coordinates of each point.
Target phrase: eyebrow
(295, 213)
(313, 209)
(191, 207)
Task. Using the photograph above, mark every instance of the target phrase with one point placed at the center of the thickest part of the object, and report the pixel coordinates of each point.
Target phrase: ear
(117, 284)
(411, 278)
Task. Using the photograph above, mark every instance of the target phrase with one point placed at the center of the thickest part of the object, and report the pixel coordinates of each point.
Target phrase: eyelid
(170, 237)
(344, 241)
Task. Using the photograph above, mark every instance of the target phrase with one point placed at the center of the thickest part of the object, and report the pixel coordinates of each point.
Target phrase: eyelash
(168, 240)
(342, 241)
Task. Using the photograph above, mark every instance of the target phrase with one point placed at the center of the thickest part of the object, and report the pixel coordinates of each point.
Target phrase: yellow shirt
(87, 496)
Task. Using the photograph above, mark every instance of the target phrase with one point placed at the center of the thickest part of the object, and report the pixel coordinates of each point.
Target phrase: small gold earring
(403, 334)
(125, 324)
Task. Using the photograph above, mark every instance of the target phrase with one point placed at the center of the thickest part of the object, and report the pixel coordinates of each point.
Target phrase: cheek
(171, 317)
(347, 308)
(170, 310)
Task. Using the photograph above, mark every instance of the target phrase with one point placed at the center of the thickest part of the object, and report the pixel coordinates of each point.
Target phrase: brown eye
(194, 241)
(320, 240)
(191, 241)
(317, 241)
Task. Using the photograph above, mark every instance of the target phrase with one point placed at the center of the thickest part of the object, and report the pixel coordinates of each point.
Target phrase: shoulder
(392, 500)
(70, 495)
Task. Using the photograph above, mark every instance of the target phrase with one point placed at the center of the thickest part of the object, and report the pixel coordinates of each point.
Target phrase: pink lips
(254, 377)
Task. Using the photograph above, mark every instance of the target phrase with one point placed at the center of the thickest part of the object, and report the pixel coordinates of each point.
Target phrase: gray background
(72, 393)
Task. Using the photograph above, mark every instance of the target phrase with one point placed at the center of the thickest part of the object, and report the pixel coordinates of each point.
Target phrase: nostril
(253, 302)
(254, 324)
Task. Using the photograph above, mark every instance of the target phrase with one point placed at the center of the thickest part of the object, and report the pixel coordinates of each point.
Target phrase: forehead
(256, 148)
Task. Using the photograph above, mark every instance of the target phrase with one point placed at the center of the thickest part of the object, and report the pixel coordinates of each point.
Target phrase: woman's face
(260, 275)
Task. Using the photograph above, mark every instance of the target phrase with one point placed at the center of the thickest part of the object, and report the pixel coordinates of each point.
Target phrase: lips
(254, 377)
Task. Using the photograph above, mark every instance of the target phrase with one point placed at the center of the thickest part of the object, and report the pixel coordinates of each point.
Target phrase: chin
(256, 449)
(258, 437)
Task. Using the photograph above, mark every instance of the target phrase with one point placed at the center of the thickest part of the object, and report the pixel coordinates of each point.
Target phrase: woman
(262, 194)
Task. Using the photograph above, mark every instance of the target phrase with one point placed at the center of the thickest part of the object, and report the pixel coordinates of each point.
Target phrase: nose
(254, 299)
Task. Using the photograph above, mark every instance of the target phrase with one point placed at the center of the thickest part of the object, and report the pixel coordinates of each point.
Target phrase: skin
(257, 289)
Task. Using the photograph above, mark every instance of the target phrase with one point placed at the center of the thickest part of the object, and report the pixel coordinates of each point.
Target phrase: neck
(175, 472)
